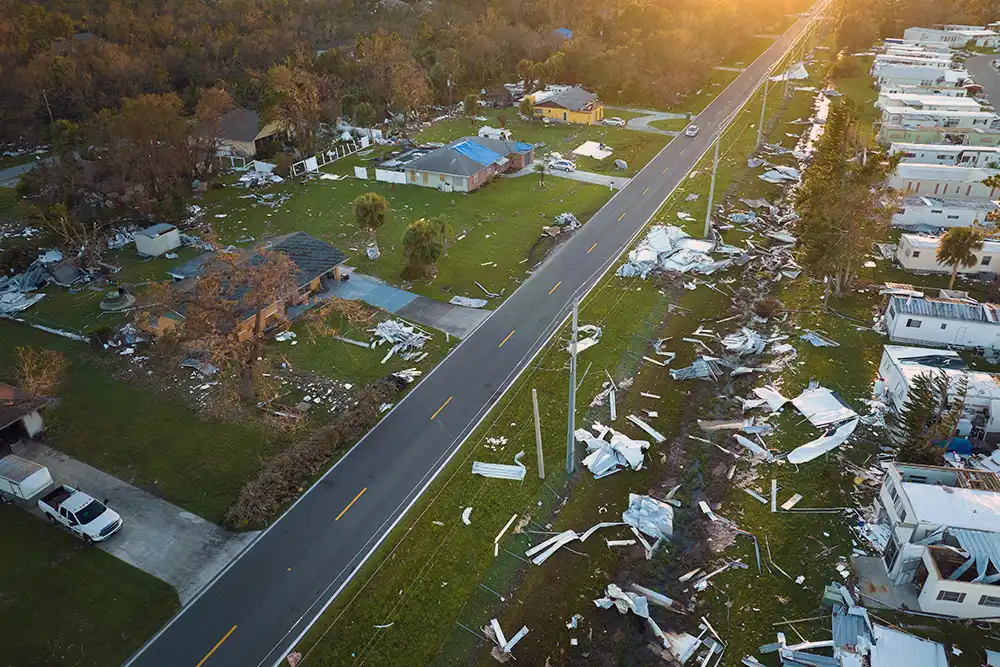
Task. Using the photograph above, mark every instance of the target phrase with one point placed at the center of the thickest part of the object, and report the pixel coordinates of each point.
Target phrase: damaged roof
(15, 403)
(949, 309)
(573, 99)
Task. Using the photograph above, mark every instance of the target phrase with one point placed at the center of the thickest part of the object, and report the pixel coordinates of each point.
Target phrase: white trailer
(21, 478)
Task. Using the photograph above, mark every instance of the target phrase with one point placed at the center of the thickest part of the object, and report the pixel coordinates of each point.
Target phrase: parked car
(691, 131)
(562, 165)
(615, 121)
(80, 513)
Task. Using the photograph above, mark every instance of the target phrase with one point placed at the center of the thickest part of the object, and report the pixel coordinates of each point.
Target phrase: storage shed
(157, 240)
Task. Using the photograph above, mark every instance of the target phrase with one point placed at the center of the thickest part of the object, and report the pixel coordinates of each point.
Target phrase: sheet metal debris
(501, 470)
(541, 552)
(404, 339)
(824, 444)
(744, 342)
(606, 458)
(649, 516)
(702, 368)
(822, 407)
(467, 302)
(653, 433)
(669, 248)
(501, 652)
(818, 340)
(592, 337)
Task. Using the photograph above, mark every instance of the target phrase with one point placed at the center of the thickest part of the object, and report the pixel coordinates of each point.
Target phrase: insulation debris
(744, 342)
(501, 470)
(593, 336)
(824, 444)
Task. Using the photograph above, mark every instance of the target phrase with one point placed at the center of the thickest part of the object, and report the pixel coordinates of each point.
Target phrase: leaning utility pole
(711, 187)
(571, 421)
(763, 107)
(538, 434)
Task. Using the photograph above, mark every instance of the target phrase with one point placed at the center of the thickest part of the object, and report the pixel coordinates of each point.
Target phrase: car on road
(691, 131)
(615, 121)
(80, 513)
(562, 165)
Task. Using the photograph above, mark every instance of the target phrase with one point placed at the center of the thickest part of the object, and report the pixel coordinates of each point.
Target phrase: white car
(615, 121)
(562, 165)
(691, 131)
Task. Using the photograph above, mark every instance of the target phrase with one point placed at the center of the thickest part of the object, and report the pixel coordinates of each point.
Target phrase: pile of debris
(19, 292)
(669, 248)
(258, 179)
(405, 339)
(606, 458)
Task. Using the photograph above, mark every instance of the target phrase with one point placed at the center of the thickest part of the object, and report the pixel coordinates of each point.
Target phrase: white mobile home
(943, 322)
(944, 546)
(942, 212)
(884, 60)
(923, 45)
(889, 102)
(949, 154)
(934, 118)
(916, 75)
(950, 37)
(945, 91)
(888, 133)
(943, 180)
(917, 252)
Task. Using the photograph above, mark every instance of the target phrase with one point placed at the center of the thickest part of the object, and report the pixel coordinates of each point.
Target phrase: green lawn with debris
(66, 604)
(497, 229)
(437, 582)
(670, 124)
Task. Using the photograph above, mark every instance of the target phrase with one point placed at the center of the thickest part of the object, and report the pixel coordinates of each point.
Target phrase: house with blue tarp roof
(468, 163)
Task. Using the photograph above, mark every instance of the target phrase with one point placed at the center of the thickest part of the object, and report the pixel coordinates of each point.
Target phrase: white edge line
(526, 364)
(592, 280)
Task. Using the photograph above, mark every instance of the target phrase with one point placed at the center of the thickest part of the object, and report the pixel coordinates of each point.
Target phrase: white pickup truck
(80, 513)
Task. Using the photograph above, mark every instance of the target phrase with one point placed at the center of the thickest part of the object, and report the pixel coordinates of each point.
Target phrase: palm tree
(958, 248)
(540, 170)
(424, 243)
(370, 212)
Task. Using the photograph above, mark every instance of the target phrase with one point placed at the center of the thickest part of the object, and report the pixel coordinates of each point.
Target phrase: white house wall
(926, 259)
(969, 607)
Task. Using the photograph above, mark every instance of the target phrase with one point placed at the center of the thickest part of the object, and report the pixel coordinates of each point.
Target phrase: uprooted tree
(219, 317)
(843, 203)
(928, 416)
(39, 372)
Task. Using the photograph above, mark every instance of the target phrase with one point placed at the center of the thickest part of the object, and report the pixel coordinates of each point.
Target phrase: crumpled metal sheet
(624, 601)
(649, 516)
(467, 302)
(822, 407)
(606, 458)
(541, 552)
(824, 444)
(501, 470)
(703, 367)
(818, 340)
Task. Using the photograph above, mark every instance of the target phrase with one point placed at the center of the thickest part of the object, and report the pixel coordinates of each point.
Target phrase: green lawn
(66, 604)
(497, 225)
(561, 137)
(696, 102)
(752, 49)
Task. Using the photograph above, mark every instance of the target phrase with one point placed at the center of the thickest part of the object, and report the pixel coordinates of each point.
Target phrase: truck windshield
(90, 512)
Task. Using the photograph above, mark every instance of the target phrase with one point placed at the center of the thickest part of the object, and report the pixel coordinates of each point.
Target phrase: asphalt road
(987, 76)
(258, 607)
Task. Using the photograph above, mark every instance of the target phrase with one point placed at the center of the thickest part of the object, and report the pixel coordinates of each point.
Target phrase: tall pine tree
(929, 414)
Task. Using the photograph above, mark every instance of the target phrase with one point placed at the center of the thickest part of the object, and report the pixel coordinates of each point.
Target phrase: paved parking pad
(179, 547)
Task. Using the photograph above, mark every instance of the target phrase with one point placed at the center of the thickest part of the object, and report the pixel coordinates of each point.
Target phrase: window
(942, 156)
(989, 601)
(912, 323)
(953, 217)
(951, 596)
(985, 261)
(944, 326)
(916, 253)
(937, 210)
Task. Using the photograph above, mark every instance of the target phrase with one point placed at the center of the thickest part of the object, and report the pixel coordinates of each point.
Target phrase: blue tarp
(565, 33)
(958, 445)
(523, 147)
(483, 156)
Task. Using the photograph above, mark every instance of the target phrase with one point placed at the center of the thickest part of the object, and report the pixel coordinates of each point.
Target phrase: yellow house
(573, 105)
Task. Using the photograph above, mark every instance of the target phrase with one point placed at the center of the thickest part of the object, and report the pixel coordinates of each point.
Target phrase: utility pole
(538, 434)
(45, 97)
(571, 421)
(763, 106)
(711, 187)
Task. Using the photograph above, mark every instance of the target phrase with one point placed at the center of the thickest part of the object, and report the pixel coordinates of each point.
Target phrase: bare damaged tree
(225, 311)
(39, 372)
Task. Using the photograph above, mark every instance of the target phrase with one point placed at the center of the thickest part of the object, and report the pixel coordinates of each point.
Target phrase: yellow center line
(510, 334)
(559, 283)
(645, 191)
(591, 248)
(216, 647)
(344, 511)
(442, 407)
(682, 151)
(620, 217)
(664, 170)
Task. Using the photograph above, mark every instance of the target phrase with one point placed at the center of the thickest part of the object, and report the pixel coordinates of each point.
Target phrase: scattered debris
(467, 302)
(818, 340)
(501, 470)
(403, 338)
(466, 516)
(824, 444)
(606, 458)
(593, 337)
(501, 652)
(653, 433)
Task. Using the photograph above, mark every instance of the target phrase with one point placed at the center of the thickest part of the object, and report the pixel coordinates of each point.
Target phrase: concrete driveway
(610, 182)
(642, 123)
(161, 539)
(987, 76)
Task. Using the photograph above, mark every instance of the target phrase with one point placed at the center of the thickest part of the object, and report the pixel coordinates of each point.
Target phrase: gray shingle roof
(498, 145)
(314, 257)
(240, 125)
(943, 308)
(574, 99)
(446, 160)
